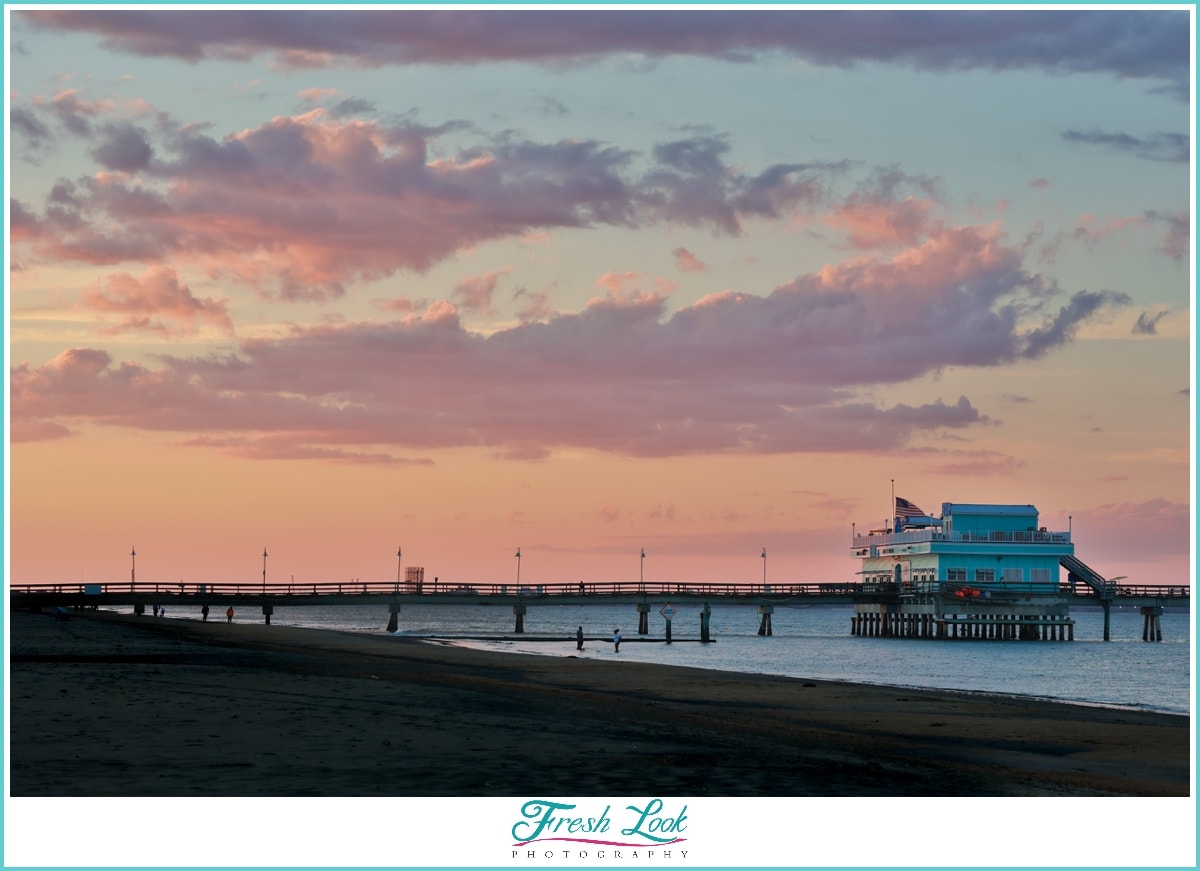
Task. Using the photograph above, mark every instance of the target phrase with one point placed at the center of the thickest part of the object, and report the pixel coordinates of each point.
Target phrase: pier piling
(764, 626)
(1152, 623)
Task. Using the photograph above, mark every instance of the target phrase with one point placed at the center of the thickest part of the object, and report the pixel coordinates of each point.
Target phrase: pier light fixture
(764, 559)
(399, 555)
(264, 571)
(132, 567)
(518, 555)
(642, 572)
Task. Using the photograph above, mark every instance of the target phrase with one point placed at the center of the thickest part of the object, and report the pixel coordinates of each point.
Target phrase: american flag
(904, 508)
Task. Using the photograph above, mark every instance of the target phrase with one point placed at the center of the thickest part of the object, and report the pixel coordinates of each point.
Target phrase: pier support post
(764, 626)
(1107, 605)
(267, 611)
(668, 630)
(643, 618)
(1152, 623)
(704, 615)
(393, 616)
(519, 612)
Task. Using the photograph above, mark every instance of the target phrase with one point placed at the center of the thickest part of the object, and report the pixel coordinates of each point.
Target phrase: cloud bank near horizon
(733, 373)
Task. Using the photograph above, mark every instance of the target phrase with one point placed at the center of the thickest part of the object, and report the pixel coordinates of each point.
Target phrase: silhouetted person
(579, 639)
(616, 641)
(204, 613)
(229, 615)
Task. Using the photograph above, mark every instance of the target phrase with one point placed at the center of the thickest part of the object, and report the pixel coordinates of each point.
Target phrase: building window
(1014, 576)
(1039, 576)
(956, 575)
(985, 576)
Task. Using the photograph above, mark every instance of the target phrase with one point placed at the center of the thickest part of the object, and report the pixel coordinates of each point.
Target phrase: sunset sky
(586, 282)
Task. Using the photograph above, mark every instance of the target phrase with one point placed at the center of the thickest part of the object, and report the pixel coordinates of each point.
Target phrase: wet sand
(115, 705)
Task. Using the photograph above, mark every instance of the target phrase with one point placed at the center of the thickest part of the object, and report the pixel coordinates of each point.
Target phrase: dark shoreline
(107, 704)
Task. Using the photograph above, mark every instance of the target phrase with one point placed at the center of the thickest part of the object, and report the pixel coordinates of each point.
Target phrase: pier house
(977, 571)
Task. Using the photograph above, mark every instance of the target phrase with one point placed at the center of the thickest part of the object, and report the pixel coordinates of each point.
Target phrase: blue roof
(972, 508)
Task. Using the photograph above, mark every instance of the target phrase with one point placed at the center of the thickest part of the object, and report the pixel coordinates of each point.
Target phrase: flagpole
(892, 510)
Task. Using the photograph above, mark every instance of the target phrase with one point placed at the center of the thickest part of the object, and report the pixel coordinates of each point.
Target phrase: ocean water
(812, 642)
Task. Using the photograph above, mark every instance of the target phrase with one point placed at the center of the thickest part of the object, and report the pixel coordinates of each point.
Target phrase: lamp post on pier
(264, 571)
(518, 568)
(764, 559)
(642, 572)
(399, 554)
(132, 567)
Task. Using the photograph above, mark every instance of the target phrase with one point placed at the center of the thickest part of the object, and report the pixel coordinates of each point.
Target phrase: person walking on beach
(204, 613)
(229, 615)
(616, 641)
(579, 639)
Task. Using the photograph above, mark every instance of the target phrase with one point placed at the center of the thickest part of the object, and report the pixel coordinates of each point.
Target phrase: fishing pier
(876, 603)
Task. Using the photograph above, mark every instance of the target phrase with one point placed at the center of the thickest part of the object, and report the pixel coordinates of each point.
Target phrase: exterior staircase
(1079, 571)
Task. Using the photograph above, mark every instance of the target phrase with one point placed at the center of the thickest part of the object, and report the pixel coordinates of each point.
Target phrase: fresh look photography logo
(556, 830)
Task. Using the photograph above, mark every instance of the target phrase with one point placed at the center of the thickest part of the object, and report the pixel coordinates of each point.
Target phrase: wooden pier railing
(829, 591)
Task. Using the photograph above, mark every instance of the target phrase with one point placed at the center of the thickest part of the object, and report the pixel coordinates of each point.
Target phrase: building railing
(998, 536)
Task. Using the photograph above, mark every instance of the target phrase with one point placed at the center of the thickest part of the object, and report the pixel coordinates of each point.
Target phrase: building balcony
(868, 543)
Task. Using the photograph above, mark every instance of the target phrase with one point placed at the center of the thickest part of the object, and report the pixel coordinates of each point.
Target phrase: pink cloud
(475, 292)
(286, 448)
(625, 289)
(317, 95)
(686, 261)
(622, 375)
(300, 207)
(1177, 235)
(155, 302)
(882, 224)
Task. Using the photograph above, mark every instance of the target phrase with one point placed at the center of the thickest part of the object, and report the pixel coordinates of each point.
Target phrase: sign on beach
(668, 611)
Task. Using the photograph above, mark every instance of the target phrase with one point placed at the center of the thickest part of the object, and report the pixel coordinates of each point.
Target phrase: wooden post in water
(764, 627)
(1107, 607)
(1151, 623)
(393, 616)
(643, 609)
(704, 615)
(519, 612)
(267, 609)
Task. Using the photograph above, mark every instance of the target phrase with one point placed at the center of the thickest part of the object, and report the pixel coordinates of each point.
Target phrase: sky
(701, 282)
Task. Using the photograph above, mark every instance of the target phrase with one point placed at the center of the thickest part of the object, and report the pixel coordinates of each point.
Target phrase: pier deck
(32, 596)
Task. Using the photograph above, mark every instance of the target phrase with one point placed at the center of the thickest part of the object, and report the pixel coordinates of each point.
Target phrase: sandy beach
(114, 705)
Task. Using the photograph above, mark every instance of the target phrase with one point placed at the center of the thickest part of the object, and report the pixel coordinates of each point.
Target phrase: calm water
(815, 642)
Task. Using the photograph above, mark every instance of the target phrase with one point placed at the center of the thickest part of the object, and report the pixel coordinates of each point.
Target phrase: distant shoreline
(107, 704)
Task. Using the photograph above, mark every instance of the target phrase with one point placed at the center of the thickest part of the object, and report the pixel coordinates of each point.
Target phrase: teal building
(989, 547)
(977, 571)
